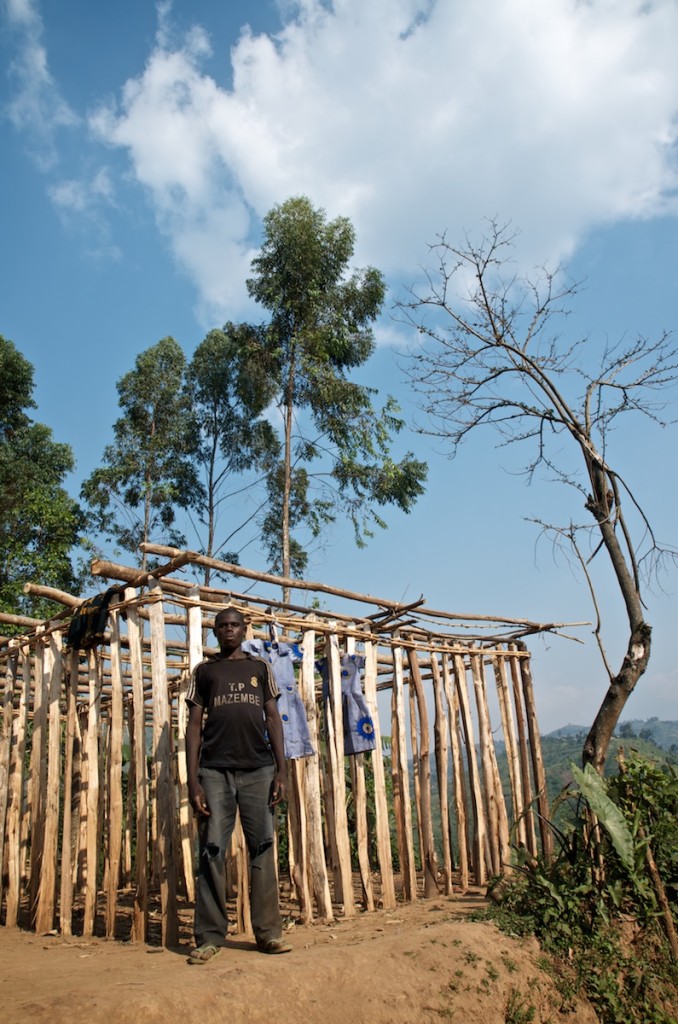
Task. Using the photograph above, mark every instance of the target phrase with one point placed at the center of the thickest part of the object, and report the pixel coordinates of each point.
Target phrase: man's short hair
(234, 611)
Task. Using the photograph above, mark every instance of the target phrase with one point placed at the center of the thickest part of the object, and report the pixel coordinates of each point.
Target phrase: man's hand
(279, 789)
(198, 800)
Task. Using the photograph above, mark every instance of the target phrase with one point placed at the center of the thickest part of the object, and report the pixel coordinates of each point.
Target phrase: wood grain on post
(67, 837)
(91, 762)
(138, 744)
(477, 803)
(512, 754)
(5, 751)
(401, 780)
(316, 849)
(343, 879)
(115, 799)
(52, 674)
(523, 752)
(457, 774)
(15, 817)
(388, 900)
(442, 765)
(429, 858)
(186, 819)
(165, 800)
(38, 776)
(537, 759)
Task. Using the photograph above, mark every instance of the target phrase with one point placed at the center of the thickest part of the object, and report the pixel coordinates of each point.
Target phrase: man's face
(229, 630)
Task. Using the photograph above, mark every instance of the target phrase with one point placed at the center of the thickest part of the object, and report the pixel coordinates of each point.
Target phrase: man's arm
(275, 736)
(196, 793)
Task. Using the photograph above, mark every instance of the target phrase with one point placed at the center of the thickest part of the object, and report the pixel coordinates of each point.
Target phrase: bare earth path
(423, 962)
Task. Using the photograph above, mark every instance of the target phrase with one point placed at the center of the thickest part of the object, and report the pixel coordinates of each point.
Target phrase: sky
(142, 144)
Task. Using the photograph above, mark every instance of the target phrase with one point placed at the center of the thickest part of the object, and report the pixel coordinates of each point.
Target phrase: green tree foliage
(228, 389)
(39, 521)
(320, 329)
(147, 472)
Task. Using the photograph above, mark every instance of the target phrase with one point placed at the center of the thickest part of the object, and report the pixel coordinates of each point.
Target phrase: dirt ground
(422, 962)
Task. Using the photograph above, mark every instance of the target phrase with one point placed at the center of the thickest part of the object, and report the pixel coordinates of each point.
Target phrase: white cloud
(411, 118)
(36, 108)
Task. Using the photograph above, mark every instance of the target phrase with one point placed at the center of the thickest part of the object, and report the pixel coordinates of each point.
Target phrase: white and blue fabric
(358, 722)
(282, 659)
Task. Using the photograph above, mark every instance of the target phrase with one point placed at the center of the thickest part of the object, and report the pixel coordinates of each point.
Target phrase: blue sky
(142, 143)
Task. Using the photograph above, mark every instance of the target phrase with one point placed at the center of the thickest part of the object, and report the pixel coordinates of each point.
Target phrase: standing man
(235, 756)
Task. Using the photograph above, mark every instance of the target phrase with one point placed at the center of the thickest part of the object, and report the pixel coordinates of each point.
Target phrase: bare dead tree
(490, 356)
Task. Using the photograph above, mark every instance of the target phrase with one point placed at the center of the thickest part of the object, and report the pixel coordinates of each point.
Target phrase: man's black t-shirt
(232, 693)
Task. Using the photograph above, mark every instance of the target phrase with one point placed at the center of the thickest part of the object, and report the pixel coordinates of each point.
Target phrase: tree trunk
(638, 649)
(620, 689)
(287, 483)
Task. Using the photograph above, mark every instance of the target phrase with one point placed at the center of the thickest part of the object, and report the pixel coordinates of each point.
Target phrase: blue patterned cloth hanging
(282, 658)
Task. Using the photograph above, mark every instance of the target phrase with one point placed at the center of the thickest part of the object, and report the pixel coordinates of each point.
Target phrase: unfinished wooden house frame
(93, 786)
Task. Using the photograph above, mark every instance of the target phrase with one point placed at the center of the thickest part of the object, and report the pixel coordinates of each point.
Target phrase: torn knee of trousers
(212, 851)
(262, 848)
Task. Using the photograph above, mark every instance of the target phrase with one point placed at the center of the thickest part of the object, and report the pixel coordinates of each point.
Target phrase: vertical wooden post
(442, 764)
(298, 838)
(316, 849)
(474, 775)
(362, 839)
(15, 816)
(51, 669)
(115, 812)
(401, 780)
(388, 900)
(429, 859)
(537, 760)
(5, 751)
(240, 858)
(335, 750)
(138, 742)
(164, 787)
(497, 817)
(66, 889)
(457, 773)
(186, 820)
(523, 752)
(91, 757)
(416, 785)
(38, 778)
(512, 757)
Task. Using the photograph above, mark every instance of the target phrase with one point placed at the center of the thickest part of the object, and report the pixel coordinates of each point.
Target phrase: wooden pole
(164, 788)
(362, 839)
(537, 759)
(115, 798)
(512, 755)
(401, 780)
(429, 857)
(38, 777)
(186, 819)
(492, 797)
(316, 849)
(67, 837)
(388, 900)
(52, 672)
(5, 753)
(138, 743)
(477, 803)
(523, 752)
(91, 757)
(457, 774)
(15, 817)
(343, 879)
(442, 765)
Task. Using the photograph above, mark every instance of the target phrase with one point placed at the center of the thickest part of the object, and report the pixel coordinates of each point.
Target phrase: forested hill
(662, 734)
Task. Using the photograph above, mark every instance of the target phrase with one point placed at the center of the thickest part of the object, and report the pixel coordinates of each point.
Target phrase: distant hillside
(662, 734)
